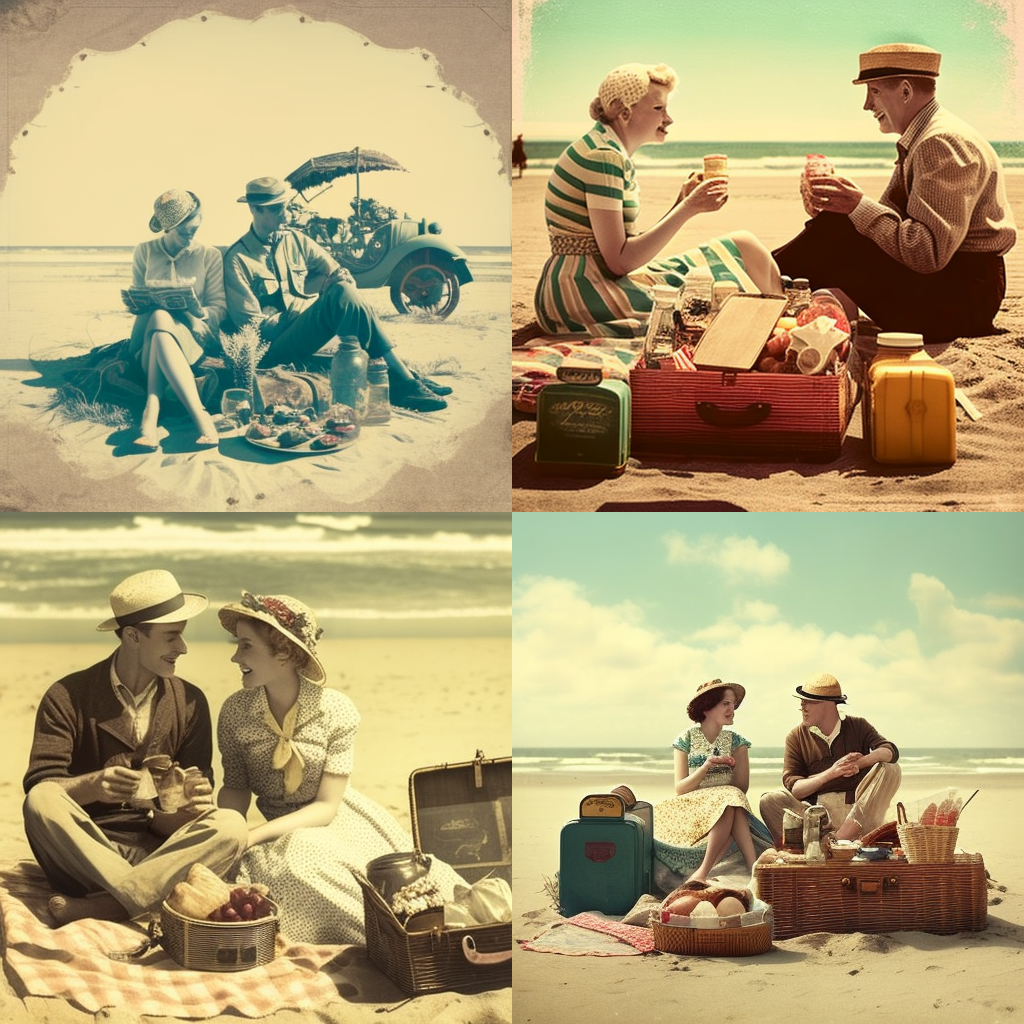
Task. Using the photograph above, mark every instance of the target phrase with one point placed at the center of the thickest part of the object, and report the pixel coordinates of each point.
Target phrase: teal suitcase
(606, 858)
(583, 424)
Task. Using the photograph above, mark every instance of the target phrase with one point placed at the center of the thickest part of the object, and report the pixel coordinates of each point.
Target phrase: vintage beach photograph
(864, 161)
(717, 727)
(255, 294)
(400, 629)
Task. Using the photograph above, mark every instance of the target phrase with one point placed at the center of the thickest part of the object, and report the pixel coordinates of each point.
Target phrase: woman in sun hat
(288, 738)
(695, 828)
(600, 264)
(169, 344)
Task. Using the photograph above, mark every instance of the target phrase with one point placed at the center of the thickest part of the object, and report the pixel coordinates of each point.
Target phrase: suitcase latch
(599, 852)
(870, 886)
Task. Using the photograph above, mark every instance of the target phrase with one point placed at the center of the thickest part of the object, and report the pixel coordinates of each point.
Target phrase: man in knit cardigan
(103, 740)
(841, 763)
(927, 257)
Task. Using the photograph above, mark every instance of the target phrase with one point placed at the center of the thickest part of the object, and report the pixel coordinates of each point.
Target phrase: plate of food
(290, 431)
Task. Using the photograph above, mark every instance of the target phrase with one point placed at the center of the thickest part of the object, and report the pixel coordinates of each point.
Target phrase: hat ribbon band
(893, 72)
(152, 612)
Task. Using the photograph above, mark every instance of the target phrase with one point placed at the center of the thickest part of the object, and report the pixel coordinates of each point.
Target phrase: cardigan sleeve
(54, 738)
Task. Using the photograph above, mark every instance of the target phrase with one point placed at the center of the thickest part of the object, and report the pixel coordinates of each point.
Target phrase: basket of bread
(209, 925)
(704, 920)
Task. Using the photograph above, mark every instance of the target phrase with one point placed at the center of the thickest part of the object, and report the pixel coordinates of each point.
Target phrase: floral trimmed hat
(288, 616)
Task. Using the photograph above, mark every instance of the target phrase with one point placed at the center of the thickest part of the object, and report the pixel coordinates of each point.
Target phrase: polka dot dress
(309, 870)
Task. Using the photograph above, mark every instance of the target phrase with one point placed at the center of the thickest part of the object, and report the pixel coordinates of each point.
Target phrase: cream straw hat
(173, 207)
(151, 596)
(823, 687)
(289, 617)
(898, 60)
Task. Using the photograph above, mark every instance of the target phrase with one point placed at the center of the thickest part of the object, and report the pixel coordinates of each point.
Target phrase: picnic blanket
(71, 963)
(575, 936)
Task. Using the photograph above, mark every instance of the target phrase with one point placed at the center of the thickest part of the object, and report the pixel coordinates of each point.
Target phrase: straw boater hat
(717, 684)
(289, 617)
(823, 687)
(630, 82)
(898, 60)
(171, 208)
(263, 192)
(151, 596)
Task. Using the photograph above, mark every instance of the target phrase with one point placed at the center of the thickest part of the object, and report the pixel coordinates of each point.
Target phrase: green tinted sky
(619, 616)
(762, 69)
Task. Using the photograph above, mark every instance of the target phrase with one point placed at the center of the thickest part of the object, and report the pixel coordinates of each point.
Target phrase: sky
(765, 70)
(619, 617)
(172, 112)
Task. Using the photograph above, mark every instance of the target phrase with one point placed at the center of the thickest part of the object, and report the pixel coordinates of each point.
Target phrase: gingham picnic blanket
(71, 963)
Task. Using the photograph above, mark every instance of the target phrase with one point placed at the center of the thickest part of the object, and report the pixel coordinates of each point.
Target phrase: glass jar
(379, 399)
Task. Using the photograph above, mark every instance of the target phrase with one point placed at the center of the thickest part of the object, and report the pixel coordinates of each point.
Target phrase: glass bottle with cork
(348, 376)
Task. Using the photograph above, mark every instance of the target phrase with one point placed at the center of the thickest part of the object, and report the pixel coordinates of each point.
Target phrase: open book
(144, 299)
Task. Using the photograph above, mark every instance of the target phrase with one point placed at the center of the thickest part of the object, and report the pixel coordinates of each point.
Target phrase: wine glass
(236, 405)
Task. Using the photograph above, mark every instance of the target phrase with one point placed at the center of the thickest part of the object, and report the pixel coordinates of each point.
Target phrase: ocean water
(849, 158)
(380, 575)
(631, 762)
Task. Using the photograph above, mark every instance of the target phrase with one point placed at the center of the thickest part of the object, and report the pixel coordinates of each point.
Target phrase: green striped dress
(577, 293)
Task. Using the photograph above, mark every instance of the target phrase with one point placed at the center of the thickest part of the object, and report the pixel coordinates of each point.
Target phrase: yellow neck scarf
(285, 754)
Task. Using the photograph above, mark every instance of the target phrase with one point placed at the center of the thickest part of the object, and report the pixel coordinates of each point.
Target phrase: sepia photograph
(735, 226)
(256, 258)
(255, 767)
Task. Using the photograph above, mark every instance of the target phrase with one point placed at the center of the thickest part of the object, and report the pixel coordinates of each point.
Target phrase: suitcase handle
(756, 412)
(482, 959)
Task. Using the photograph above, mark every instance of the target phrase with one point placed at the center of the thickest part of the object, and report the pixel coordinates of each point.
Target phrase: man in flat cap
(298, 297)
(927, 257)
(841, 763)
(112, 815)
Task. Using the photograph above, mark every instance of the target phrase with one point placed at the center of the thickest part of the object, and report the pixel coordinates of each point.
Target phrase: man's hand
(846, 766)
(202, 795)
(829, 194)
(117, 784)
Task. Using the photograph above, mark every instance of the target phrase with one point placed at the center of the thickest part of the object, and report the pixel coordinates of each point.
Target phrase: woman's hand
(200, 330)
(695, 178)
(720, 761)
(707, 196)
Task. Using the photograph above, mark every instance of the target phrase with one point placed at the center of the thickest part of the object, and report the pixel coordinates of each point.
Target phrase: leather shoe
(432, 385)
(414, 395)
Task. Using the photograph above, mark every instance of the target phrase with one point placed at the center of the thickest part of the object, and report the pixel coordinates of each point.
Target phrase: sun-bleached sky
(209, 102)
(762, 70)
(617, 619)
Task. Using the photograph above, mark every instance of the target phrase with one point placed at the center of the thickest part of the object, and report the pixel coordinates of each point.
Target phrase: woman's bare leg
(719, 839)
(759, 262)
(741, 833)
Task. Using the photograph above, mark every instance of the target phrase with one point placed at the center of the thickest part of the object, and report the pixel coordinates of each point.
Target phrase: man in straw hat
(927, 257)
(840, 763)
(298, 297)
(109, 832)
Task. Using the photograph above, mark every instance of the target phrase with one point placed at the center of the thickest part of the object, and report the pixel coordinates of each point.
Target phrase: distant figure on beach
(287, 738)
(103, 738)
(519, 155)
(298, 297)
(168, 344)
(927, 257)
(712, 772)
(599, 265)
(838, 761)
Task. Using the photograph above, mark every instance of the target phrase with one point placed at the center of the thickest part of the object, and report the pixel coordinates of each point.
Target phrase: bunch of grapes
(244, 905)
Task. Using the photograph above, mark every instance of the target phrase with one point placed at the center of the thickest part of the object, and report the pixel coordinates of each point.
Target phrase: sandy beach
(422, 701)
(969, 978)
(455, 458)
(986, 475)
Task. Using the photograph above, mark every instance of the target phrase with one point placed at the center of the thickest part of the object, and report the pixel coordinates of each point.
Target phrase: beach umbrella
(322, 170)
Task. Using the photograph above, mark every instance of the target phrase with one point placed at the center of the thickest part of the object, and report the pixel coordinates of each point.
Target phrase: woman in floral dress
(287, 738)
(712, 770)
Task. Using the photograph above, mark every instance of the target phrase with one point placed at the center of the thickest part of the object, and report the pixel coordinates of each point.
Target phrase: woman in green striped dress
(590, 284)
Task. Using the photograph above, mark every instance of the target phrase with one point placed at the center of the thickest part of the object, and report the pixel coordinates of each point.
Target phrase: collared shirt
(814, 730)
(947, 195)
(139, 706)
(260, 279)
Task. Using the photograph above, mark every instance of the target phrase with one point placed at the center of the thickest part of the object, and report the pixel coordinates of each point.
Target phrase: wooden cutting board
(738, 333)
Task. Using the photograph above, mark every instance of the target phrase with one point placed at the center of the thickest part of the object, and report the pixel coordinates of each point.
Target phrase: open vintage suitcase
(462, 814)
(726, 408)
(875, 896)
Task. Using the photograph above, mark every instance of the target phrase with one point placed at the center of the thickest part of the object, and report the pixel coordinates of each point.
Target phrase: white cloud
(590, 673)
(738, 558)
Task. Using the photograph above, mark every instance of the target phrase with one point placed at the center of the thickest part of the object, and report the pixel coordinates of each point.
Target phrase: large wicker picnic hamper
(875, 896)
(215, 945)
(435, 959)
(747, 941)
(925, 844)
